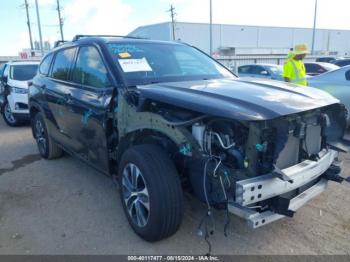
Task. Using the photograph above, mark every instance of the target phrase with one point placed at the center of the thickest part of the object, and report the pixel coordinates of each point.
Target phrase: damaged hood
(239, 99)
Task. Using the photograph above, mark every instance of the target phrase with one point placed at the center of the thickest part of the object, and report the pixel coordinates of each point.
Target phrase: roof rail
(59, 42)
(77, 37)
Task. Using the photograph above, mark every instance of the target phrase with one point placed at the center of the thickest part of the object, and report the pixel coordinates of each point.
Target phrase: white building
(240, 39)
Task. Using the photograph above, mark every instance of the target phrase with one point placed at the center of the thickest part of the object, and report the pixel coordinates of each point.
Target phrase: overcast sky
(123, 16)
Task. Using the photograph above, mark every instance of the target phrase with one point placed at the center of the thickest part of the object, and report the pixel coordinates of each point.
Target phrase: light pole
(210, 28)
(39, 28)
(29, 26)
(60, 19)
(314, 30)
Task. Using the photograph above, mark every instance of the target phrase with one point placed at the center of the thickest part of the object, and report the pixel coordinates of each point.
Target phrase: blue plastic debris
(261, 147)
(86, 116)
(186, 149)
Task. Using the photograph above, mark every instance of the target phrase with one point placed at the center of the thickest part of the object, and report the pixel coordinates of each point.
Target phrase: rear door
(90, 95)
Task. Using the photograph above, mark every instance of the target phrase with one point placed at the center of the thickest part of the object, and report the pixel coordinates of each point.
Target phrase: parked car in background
(327, 59)
(337, 83)
(317, 68)
(341, 62)
(269, 71)
(14, 95)
(2, 67)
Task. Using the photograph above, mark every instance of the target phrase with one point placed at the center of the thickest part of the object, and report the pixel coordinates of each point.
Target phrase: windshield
(146, 63)
(23, 72)
(277, 70)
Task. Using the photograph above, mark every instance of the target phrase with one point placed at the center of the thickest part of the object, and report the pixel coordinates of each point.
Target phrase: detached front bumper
(251, 191)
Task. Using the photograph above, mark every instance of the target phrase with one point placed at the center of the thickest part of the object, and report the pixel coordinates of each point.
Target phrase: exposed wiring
(209, 212)
(185, 123)
(205, 183)
(216, 168)
(227, 217)
(221, 142)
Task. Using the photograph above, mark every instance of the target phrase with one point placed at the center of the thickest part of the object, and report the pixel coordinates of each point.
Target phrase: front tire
(46, 146)
(151, 192)
(8, 116)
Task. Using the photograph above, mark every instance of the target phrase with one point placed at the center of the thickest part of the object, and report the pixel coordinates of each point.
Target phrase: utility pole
(60, 19)
(314, 30)
(29, 26)
(172, 13)
(39, 27)
(210, 28)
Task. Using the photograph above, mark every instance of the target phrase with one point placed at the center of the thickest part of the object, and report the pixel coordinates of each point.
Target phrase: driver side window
(90, 69)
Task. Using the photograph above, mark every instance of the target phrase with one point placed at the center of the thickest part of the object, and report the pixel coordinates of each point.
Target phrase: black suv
(162, 117)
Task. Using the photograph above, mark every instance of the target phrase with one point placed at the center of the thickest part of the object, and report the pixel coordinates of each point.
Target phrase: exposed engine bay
(235, 151)
(261, 170)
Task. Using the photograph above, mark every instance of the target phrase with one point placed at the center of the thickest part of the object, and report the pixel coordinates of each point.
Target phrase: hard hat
(300, 49)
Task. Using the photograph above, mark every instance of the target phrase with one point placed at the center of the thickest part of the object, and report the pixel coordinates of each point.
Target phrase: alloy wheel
(8, 114)
(135, 194)
(40, 136)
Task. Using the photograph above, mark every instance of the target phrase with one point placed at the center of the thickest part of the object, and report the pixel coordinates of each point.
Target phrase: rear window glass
(23, 72)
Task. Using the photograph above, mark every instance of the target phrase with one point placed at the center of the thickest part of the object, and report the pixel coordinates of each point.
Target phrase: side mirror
(4, 79)
(265, 73)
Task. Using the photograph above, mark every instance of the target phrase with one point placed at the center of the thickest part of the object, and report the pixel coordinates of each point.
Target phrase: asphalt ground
(65, 207)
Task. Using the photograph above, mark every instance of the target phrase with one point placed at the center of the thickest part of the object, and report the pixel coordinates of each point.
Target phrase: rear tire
(46, 146)
(151, 192)
(8, 116)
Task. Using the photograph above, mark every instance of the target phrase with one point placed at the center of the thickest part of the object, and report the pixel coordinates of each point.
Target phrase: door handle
(68, 99)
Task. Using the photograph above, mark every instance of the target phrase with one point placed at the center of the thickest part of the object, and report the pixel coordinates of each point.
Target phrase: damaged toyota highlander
(163, 117)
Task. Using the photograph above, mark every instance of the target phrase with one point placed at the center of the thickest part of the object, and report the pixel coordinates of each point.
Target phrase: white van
(14, 91)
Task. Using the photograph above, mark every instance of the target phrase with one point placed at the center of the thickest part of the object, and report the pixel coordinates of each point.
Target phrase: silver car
(336, 82)
(267, 71)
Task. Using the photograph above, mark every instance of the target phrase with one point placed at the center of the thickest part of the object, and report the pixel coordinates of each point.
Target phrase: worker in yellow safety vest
(294, 68)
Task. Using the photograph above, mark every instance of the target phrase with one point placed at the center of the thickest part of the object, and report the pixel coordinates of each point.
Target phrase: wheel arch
(146, 136)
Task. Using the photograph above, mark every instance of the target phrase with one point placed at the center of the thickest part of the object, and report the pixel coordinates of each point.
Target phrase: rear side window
(63, 63)
(90, 69)
(45, 65)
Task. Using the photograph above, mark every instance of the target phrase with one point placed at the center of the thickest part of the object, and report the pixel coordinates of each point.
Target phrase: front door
(89, 98)
(54, 89)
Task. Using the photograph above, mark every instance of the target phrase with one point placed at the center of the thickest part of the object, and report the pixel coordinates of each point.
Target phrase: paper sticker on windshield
(124, 55)
(134, 65)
